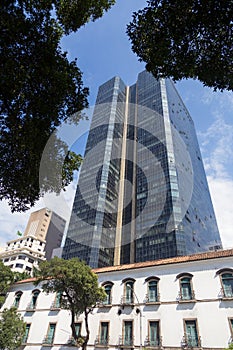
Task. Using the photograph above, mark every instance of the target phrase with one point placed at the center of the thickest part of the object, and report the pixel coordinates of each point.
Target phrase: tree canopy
(12, 329)
(6, 279)
(77, 286)
(39, 88)
(186, 39)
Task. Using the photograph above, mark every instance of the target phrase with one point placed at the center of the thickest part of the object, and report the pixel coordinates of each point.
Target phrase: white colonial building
(177, 303)
(43, 234)
(24, 253)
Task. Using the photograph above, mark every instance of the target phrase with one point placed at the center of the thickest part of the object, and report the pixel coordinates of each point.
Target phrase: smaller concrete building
(46, 225)
(176, 303)
(44, 232)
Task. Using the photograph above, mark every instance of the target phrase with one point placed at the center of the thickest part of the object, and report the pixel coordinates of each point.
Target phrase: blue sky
(103, 51)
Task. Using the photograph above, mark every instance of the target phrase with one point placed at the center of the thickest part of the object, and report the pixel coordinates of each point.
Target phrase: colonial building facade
(176, 303)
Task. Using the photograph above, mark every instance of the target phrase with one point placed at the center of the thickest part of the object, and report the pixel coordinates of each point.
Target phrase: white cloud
(222, 193)
(207, 96)
(12, 222)
(217, 146)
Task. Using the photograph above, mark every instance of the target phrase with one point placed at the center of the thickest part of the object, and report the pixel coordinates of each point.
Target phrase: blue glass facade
(142, 191)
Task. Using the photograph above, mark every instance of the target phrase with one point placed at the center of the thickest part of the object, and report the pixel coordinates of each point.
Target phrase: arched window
(17, 298)
(57, 301)
(108, 290)
(226, 276)
(186, 289)
(32, 304)
(227, 283)
(128, 297)
(129, 292)
(152, 290)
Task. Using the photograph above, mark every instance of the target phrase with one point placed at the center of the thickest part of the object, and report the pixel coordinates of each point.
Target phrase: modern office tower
(142, 191)
(43, 234)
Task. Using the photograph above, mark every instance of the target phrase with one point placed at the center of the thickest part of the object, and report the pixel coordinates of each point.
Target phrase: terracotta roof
(28, 280)
(176, 260)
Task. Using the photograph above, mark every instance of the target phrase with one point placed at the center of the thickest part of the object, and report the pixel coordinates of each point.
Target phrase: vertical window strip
(104, 331)
(153, 333)
(191, 333)
(128, 333)
(25, 338)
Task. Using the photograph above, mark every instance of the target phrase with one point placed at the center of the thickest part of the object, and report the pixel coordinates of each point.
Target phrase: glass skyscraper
(142, 192)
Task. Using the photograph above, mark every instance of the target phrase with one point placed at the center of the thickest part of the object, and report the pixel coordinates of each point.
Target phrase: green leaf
(180, 39)
(12, 329)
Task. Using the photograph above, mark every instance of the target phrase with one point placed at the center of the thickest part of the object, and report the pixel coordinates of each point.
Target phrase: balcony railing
(102, 341)
(191, 341)
(31, 307)
(78, 343)
(155, 299)
(55, 306)
(48, 340)
(71, 341)
(127, 301)
(106, 303)
(157, 343)
(226, 293)
(124, 343)
(186, 298)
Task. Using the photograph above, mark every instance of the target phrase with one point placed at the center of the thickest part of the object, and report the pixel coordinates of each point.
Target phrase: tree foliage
(19, 276)
(12, 329)
(6, 279)
(78, 287)
(230, 347)
(39, 88)
(186, 39)
(72, 14)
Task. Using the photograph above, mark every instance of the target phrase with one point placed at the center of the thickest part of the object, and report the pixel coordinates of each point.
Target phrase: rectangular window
(25, 338)
(19, 265)
(128, 333)
(153, 291)
(154, 333)
(22, 257)
(50, 335)
(104, 329)
(57, 302)
(30, 260)
(78, 328)
(191, 333)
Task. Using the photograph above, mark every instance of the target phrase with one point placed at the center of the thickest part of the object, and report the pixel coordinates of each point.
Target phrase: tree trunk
(84, 345)
(74, 335)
